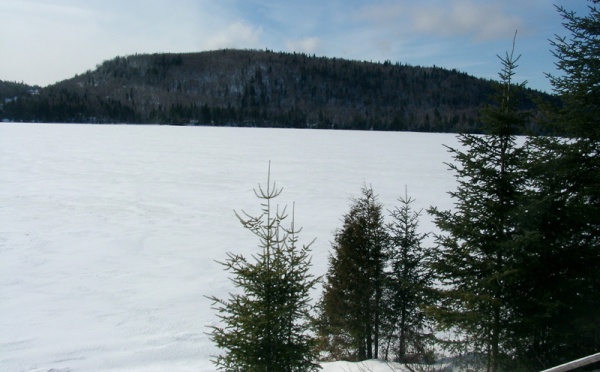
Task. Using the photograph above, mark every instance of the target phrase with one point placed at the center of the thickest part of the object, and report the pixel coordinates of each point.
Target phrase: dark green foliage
(11, 90)
(474, 260)
(12, 95)
(377, 287)
(265, 326)
(406, 329)
(521, 254)
(257, 88)
(561, 219)
(579, 87)
(351, 306)
(558, 295)
(520, 257)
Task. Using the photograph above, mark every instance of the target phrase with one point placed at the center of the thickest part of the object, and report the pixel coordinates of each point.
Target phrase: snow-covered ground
(109, 234)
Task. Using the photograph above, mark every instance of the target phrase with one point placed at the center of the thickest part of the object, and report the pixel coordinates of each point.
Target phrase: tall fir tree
(473, 260)
(406, 329)
(351, 305)
(562, 217)
(579, 85)
(266, 326)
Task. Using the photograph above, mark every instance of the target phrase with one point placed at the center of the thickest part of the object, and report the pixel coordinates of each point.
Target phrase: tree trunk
(402, 345)
(376, 335)
(369, 339)
(495, 338)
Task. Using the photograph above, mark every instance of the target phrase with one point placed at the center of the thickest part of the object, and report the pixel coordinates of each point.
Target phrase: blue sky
(43, 41)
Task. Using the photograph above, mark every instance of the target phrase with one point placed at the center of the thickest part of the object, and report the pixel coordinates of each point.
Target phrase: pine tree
(406, 285)
(351, 317)
(473, 260)
(579, 85)
(558, 294)
(266, 326)
(562, 218)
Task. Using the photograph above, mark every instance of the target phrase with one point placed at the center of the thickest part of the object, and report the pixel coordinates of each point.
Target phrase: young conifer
(351, 306)
(475, 252)
(265, 327)
(406, 288)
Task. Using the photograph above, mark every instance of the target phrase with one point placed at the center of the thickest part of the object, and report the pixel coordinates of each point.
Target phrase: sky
(43, 42)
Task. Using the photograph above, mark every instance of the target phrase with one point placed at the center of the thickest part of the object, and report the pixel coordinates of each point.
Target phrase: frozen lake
(108, 234)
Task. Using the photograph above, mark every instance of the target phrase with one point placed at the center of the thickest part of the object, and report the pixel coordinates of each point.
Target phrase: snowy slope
(108, 234)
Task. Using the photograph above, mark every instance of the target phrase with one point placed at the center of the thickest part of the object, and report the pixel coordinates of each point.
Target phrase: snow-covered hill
(109, 234)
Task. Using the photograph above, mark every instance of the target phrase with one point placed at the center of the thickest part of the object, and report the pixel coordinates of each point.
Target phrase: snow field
(109, 234)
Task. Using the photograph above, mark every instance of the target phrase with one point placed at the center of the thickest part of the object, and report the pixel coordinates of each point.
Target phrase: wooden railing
(575, 364)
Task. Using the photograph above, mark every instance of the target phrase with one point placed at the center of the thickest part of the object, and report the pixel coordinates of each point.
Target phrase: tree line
(511, 283)
(265, 89)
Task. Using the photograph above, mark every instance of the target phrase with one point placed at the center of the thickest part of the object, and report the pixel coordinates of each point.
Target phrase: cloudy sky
(45, 41)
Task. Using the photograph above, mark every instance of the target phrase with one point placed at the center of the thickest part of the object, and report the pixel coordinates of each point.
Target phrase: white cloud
(305, 45)
(35, 8)
(237, 34)
(482, 21)
(46, 41)
(65, 38)
(383, 12)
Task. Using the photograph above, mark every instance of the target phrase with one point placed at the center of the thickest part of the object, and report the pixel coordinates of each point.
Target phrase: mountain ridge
(267, 89)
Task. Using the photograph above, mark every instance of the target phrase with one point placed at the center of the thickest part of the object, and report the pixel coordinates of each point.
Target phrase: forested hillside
(263, 88)
(11, 91)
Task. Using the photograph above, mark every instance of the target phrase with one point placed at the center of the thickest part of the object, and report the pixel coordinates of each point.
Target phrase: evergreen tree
(579, 86)
(406, 286)
(562, 218)
(473, 260)
(266, 327)
(351, 317)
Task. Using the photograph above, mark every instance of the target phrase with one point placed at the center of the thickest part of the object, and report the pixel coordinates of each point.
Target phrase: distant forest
(263, 89)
